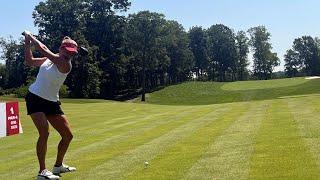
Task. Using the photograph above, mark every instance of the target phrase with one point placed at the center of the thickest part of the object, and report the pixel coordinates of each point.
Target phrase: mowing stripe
(117, 136)
(110, 118)
(18, 154)
(150, 148)
(181, 156)
(229, 156)
(107, 150)
(89, 144)
(306, 113)
(101, 134)
(108, 139)
(279, 151)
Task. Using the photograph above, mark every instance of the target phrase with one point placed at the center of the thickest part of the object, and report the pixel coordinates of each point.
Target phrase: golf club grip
(24, 33)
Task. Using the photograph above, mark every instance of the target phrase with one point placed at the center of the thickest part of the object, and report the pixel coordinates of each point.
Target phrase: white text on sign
(12, 117)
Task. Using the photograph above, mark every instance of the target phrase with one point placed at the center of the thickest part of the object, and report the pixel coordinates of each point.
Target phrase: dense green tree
(179, 52)
(242, 44)
(264, 61)
(293, 63)
(106, 32)
(109, 50)
(15, 70)
(198, 45)
(2, 76)
(317, 40)
(222, 52)
(308, 52)
(144, 36)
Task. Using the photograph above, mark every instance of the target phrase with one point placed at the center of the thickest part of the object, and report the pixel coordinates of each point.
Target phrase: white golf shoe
(63, 169)
(45, 174)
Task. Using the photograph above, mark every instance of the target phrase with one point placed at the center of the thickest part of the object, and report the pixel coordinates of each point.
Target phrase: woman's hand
(62, 65)
(43, 49)
(30, 60)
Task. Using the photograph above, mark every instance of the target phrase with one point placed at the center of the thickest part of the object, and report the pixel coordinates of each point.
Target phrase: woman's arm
(63, 66)
(30, 60)
(44, 50)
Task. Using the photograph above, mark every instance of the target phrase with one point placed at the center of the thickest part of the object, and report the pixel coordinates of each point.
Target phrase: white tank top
(49, 81)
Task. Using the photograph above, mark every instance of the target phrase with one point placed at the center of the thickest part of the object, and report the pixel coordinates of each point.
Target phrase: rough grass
(271, 130)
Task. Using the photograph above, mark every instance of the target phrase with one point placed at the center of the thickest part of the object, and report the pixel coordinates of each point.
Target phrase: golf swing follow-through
(42, 100)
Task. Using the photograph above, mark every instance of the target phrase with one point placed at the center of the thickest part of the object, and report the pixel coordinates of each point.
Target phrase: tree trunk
(143, 96)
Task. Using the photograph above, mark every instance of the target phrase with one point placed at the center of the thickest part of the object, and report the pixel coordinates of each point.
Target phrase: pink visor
(70, 47)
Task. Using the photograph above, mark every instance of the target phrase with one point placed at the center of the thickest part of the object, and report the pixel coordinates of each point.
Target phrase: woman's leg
(40, 121)
(61, 124)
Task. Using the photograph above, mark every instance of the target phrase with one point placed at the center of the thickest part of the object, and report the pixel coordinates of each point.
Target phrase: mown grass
(202, 93)
(270, 131)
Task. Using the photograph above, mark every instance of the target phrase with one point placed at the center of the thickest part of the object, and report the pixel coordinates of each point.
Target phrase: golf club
(83, 51)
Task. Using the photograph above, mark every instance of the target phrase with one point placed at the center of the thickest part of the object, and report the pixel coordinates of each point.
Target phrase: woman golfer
(43, 103)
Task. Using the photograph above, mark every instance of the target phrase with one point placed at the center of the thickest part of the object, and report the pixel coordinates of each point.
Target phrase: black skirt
(38, 104)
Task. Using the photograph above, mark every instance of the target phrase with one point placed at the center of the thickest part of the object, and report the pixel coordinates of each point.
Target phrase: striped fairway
(272, 138)
(279, 148)
(229, 155)
(307, 115)
(192, 146)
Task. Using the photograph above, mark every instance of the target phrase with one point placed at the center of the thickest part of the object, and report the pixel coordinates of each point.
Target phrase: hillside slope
(203, 93)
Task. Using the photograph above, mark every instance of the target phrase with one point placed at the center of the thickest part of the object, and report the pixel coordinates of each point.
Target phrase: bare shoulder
(56, 59)
(64, 66)
(36, 62)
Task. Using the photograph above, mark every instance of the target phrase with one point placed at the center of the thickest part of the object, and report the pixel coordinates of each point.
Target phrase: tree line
(138, 53)
(303, 59)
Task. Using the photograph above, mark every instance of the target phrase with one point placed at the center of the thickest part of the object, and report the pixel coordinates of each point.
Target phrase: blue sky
(285, 19)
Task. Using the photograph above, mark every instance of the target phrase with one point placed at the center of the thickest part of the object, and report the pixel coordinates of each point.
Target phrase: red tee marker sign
(12, 111)
(9, 119)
